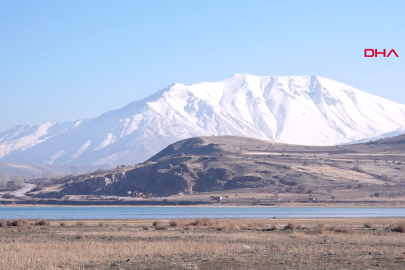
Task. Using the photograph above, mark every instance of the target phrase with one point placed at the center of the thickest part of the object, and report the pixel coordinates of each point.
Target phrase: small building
(216, 198)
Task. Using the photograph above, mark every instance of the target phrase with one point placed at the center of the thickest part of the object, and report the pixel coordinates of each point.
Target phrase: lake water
(193, 212)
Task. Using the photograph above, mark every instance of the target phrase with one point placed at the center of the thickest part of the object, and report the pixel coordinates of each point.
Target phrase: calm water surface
(192, 212)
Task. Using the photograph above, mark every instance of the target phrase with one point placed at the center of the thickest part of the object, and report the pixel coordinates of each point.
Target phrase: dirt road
(21, 192)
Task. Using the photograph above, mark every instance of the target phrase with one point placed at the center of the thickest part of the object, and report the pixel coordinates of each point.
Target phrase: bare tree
(49, 174)
(18, 180)
(4, 178)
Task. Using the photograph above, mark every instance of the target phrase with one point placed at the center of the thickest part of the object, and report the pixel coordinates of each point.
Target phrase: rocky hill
(218, 163)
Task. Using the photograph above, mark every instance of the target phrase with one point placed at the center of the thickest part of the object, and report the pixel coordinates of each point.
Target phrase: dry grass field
(203, 244)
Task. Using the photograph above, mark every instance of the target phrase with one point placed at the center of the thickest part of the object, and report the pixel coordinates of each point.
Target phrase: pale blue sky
(64, 60)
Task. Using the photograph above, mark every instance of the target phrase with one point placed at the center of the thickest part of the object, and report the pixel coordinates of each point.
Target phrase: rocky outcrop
(222, 163)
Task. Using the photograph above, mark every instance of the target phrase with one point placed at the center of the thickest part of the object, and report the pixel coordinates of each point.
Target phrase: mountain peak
(310, 110)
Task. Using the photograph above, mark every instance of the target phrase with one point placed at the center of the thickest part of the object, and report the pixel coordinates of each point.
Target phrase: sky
(66, 60)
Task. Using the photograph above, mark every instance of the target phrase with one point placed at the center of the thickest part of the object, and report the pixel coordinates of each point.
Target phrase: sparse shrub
(173, 223)
(63, 224)
(161, 227)
(320, 228)
(378, 194)
(101, 224)
(290, 226)
(80, 223)
(4, 223)
(145, 228)
(157, 223)
(19, 222)
(177, 223)
(275, 227)
(257, 225)
(332, 228)
(368, 225)
(229, 226)
(399, 228)
(42, 222)
(119, 228)
(203, 222)
(343, 229)
(79, 236)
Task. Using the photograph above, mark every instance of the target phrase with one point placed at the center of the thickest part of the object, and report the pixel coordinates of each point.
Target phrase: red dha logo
(375, 53)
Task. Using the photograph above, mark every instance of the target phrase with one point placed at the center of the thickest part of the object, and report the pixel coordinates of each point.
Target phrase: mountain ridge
(306, 110)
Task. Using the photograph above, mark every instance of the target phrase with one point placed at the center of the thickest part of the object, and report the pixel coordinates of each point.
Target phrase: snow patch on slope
(53, 158)
(292, 109)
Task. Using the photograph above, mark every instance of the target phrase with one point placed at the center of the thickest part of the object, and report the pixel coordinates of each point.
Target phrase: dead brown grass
(19, 222)
(4, 223)
(343, 229)
(399, 228)
(368, 225)
(256, 225)
(230, 225)
(340, 245)
(290, 226)
(42, 222)
(161, 227)
(275, 227)
(80, 223)
(157, 223)
(320, 228)
(203, 222)
(178, 223)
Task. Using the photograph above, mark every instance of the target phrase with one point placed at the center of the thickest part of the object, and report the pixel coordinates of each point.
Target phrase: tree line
(12, 181)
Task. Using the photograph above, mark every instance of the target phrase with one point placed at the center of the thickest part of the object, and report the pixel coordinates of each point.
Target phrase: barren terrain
(242, 171)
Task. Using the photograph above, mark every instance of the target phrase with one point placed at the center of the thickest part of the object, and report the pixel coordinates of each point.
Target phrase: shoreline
(204, 205)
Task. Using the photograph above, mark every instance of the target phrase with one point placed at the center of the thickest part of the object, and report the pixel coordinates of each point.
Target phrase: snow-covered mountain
(292, 109)
(397, 132)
